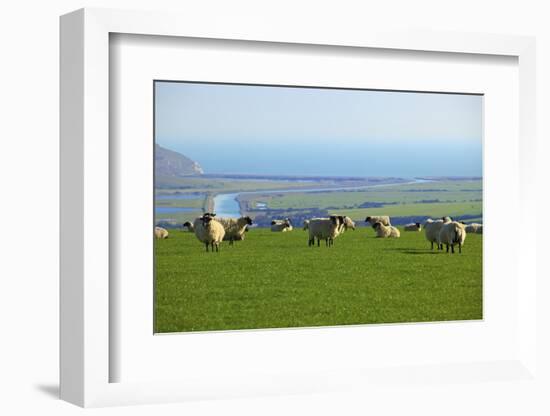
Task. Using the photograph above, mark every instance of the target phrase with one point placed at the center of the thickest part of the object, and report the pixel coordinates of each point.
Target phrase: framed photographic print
(270, 214)
(384, 179)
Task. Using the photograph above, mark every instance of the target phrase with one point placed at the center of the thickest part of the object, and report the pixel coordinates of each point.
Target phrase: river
(226, 205)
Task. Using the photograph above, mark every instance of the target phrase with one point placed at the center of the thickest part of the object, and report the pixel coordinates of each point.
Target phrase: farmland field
(274, 280)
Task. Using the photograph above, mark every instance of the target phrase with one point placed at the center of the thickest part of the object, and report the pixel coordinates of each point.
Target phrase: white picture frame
(85, 355)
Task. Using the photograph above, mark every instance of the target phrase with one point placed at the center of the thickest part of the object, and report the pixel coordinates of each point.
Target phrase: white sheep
(413, 226)
(384, 219)
(385, 231)
(161, 233)
(234, 227)
(209, 231)
(347, 223)
(281, 225)
(189, 226)
(432, 229)
(324, 229)
(453, 233)
(474, 228)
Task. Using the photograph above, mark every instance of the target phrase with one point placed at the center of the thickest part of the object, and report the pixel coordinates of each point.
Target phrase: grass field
(274, 280)
(434, 199)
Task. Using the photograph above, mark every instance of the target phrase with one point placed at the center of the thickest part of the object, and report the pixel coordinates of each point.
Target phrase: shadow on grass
(414, 250)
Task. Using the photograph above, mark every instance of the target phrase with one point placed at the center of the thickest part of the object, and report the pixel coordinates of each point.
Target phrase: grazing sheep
(432, 228)
(414, 226)
(161, 233)
(189, 227)
(234, 228)
(453, 233)
(324, 229)
(281, 225)
(384, 219)
(385, 231)
(347, 223)
(474, 228)
(209, 231)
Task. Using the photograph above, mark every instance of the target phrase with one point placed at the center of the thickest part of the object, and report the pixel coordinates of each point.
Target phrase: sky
(320, 132)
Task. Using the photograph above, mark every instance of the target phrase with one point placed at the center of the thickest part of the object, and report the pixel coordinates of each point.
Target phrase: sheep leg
(446, 245)
(460, 248)
(318, 242)
(206, 247)
(453, 248)
(432, 245)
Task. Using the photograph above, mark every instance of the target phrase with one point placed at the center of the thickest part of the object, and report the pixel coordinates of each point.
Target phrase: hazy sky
(310, 131)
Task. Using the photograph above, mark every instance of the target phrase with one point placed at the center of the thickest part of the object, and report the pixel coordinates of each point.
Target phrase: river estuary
(226, 205)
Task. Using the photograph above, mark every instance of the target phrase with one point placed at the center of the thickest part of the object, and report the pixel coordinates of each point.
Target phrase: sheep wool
(384, 219)
(282, 226)
(234, 228)
(413, 226)
(324, 229)
(432, 229)
(474, 228)
(386, 231)
(161, 233)
(189, 227)
(209, 231)
(451, 234)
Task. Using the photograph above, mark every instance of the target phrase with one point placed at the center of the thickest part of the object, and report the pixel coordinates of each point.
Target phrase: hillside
(170, 163)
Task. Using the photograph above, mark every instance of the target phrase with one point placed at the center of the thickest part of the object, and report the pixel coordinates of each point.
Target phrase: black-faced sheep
(234, 228)
(432, 229)
(385, 231)
(451, 234)
(414, 226)
(281, 225)
(324, 229)
(209, 231)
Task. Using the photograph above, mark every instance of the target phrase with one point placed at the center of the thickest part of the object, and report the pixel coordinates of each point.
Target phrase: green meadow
(433, 199)
(274, 280)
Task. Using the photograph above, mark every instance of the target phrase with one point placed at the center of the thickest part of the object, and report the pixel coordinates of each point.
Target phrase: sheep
(189, 226)
(474, 228)
(432, 228)
(347, 223)
(209, 231)
(281, 225)
(384, 219)
(324, 229)
(452, 233)
(234, 228)
(161, 233)
(385, 231)
(414, 226)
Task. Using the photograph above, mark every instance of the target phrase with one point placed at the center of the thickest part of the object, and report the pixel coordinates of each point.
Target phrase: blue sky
(311, 131)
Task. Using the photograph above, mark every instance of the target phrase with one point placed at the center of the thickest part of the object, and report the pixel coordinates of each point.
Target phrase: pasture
(274, 280)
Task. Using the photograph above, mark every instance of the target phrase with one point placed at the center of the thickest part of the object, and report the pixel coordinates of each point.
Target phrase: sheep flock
(211, 230)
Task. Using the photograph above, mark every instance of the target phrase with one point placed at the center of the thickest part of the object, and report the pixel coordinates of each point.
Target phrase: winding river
(226, 205)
